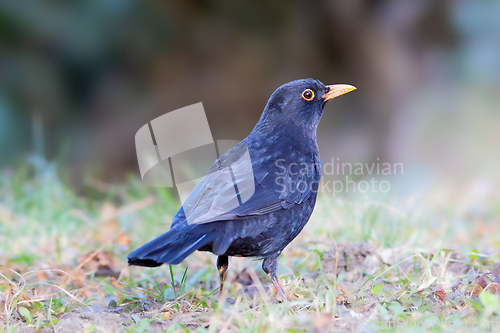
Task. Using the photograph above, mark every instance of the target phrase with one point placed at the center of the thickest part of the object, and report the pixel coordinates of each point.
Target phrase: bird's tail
(170, 248)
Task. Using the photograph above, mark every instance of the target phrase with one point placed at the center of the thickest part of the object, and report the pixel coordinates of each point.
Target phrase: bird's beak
(337, 90)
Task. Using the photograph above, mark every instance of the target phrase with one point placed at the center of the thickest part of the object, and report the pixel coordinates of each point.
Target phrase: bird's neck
(272, 125)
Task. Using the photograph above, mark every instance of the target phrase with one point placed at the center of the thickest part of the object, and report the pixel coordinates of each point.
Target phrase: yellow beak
(337, 90)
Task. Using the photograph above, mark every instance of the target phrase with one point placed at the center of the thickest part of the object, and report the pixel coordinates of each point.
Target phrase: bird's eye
(308, 94)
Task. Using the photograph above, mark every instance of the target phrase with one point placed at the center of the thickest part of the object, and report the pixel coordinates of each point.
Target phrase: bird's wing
(239, 185)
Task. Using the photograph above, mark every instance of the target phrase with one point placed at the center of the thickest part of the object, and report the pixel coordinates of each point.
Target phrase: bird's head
(301, 102)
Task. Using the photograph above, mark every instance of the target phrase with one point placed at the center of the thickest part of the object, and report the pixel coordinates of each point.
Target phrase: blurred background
(78, 79)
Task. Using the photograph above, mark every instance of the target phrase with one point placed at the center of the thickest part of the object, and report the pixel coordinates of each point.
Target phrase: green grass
(362, 263)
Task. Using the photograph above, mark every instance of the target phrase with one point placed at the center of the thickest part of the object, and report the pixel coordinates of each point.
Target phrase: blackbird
(256, 197)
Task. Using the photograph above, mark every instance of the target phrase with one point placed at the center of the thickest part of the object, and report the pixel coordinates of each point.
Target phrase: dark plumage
(275, 197)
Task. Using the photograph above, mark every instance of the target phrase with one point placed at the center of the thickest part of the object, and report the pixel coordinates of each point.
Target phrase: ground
(364, 263)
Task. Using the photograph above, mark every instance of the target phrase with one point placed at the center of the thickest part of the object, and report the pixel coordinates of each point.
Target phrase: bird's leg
(277, 285)
(222, 265)
(269, 266)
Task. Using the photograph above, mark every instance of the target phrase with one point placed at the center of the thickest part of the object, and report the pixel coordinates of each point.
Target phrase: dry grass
(362, 264)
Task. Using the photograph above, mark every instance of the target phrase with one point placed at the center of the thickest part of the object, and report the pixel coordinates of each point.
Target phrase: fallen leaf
(322, 322)
(42, 276)
(481, 281)
(78, 279)
(494, 288)
(457, 285)
(440, 294)
(474, 289)
(124, 240)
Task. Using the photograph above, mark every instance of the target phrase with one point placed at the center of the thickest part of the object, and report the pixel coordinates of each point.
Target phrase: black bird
(256, 197)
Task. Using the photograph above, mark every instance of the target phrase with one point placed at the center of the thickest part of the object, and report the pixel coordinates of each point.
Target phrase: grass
(362, 263)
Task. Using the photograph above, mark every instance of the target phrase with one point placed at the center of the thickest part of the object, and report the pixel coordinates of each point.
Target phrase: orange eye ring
(308, 94)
